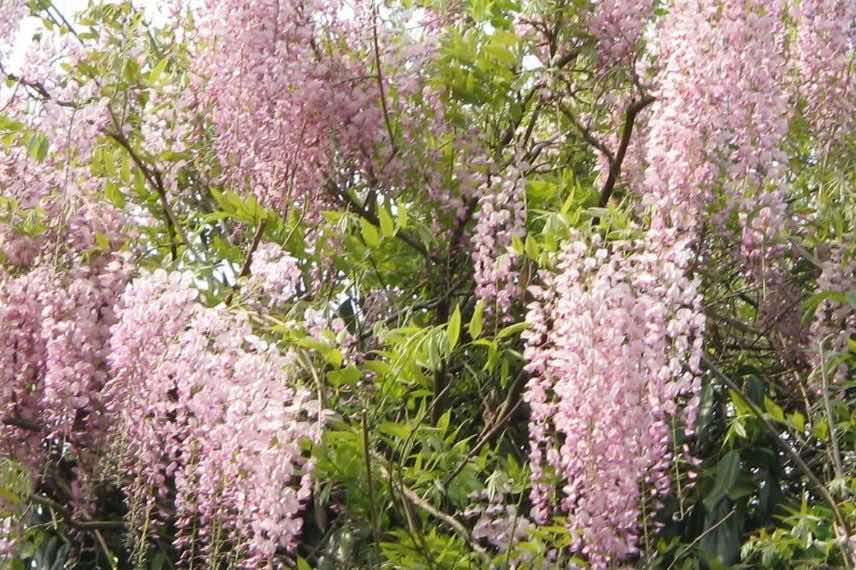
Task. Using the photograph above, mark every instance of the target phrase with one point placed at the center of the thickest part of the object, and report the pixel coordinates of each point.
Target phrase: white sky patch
(154, 10)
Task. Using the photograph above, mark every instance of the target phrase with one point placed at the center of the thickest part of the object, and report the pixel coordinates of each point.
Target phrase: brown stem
(833, 439)
(379, 77)
(49, 503)
(248, 260)
(587, 134)
(40, 89)
(615, 165)
(404, 236)
(155, 180)
(449, 520)
(257, 238)
(484, 440)
(508, 135)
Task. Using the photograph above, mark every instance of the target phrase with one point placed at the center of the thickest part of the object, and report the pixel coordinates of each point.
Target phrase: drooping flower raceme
(613, 351)
(22, 357)
(834, 321)
(54, 365)
(212, 427)
(617, 25)
(501, 217)
(825, 49)
(13, 12)
(497, 522)
(716, 116)
(274, 272)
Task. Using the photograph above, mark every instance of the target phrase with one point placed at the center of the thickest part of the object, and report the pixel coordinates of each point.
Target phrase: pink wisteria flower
(613, 351)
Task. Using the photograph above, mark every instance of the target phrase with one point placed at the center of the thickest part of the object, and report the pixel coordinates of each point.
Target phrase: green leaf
(443, 422)
(111, 190)
(453, 330)
(333, 356)
(479, 9)
(379, 367)
(349, 375)
(108, 161)
(403, 216)
(797, 420)
(38, 147)
(727, 471)
(156, 71)
(739, 428)
(511, 330)
(102, 241)
(132, 70)
(370, 235)
(140, 183)
(395, 430)
(302, 564)
(477, 321)
(517, 245)
(774, 409)
(125, 169)
(740, 404)
(387, 226)
(720, 546)
(532, 248)
(8, 125)
(821, 430)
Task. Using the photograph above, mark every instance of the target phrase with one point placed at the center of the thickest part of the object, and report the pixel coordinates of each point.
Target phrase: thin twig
(818, 484)
(369, 481)
(103, 544)
(43, 501)
(65, 21)
(257, 238)
(40, 89)
(498, 424)
(509, 406)
(404, 236)
(155, 179)
(833, 440)
(633, 110)
(698, 539)
(379, 77)
(449, 520)
(587, 134)
(248, 260)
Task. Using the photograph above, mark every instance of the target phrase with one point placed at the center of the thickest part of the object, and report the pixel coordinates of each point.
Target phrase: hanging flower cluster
(825, 47)
(13, 12)
(613, 351)
(287, 109)
(497, 521)
(54, 366)
(501, 217)
(618, 25)
(275, 273)
(22, 356)
(834, 320)
(50, 195)
(213, 433)
(716, 116)
(615, 334)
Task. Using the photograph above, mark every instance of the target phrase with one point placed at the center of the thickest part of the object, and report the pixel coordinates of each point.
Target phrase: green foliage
(431, 412)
